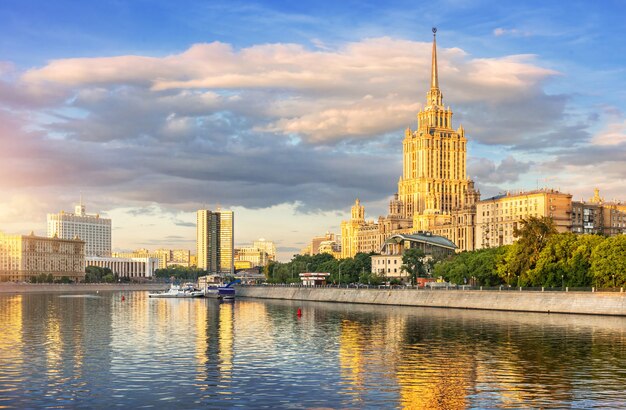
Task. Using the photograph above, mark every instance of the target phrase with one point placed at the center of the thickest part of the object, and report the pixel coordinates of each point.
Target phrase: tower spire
(434, 78)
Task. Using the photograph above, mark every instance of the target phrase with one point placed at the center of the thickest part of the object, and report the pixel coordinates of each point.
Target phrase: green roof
(424, 238)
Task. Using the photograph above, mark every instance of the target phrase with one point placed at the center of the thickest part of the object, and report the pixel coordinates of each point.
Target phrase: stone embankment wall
(78, 288)
(594, 303)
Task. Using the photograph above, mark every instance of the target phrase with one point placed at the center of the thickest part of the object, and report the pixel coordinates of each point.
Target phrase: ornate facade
(25, 256)
(434, 193)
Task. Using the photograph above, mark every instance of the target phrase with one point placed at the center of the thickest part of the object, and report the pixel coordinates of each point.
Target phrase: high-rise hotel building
(434, 192)
(94, 230)
(215, 245)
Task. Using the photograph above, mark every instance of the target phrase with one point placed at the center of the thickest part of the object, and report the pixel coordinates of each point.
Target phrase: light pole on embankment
(340, 272)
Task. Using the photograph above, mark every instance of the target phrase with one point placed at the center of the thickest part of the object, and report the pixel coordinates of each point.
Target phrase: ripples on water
(100, 351)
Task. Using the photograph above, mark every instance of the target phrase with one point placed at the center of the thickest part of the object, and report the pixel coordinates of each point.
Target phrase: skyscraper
(94, 230)
(434, 192)
(434, 180)
(215, 241)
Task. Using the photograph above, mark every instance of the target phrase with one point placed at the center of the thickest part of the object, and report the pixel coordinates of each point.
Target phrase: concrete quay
(78, 288)
(588, 303)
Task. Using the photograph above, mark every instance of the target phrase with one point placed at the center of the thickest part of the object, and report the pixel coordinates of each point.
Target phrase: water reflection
(134, 351)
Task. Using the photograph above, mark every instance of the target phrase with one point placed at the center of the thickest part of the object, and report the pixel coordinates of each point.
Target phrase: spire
(434, 78)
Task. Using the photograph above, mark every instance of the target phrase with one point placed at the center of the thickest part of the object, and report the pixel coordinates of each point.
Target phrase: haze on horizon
(285, 113)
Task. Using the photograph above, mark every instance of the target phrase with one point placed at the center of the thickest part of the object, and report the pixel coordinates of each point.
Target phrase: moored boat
(176, 291)
(224, 292)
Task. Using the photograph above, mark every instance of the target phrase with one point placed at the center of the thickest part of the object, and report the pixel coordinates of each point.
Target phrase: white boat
(175, 291)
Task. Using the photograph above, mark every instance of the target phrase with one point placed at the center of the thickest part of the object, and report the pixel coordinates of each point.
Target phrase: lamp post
(340, 273)
(562, 281)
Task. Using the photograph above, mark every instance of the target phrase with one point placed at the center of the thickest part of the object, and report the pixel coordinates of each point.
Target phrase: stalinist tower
(434, 193)
(434, 180)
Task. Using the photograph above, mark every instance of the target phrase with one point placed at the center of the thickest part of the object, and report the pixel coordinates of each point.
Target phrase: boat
(223, 292)
(176, 291)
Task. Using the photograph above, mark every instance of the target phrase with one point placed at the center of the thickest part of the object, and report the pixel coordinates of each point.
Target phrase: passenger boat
(224, 292)
(176, 291)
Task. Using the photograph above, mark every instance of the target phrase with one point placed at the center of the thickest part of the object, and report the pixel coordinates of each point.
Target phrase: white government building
(126, 267)
(94, 230)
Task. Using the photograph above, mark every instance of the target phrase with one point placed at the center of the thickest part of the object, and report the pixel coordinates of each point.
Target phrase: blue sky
(286, 111)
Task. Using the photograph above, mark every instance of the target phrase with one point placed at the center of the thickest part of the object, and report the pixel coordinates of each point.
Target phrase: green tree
(478, 266)
(608, 262)
(414, 264)
(522, 256)
(564, 261)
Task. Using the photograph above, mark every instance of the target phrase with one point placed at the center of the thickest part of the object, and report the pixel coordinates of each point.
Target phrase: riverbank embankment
(78, 288)
(589, 303)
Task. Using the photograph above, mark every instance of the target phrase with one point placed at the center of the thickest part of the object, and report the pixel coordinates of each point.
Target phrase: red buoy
(299, 312)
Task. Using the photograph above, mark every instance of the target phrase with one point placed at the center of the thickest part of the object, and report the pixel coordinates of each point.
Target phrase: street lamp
(307, 266)
(340, 272)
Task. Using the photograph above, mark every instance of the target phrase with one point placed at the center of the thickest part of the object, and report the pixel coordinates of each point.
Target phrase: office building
(268, 246)
(94, 230)
(215, 245)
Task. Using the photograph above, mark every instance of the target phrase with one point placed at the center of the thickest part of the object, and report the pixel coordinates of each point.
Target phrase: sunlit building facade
(215, 245)
(498, 217)
(25, 256)
(597, 216)
(133, 268)
(93, 229)
(434, 192)
(256, 256)
(268, 246)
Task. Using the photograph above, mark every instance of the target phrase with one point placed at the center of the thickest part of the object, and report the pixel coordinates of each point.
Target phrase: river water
(97, 350)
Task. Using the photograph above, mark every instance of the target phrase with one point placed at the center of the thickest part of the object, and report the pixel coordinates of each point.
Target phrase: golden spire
(434, 77)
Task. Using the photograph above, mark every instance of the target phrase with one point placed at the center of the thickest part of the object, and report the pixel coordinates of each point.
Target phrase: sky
(285, 112)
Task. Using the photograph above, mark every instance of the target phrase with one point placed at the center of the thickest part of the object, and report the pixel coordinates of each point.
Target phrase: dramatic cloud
(260, 126)
(487, 172)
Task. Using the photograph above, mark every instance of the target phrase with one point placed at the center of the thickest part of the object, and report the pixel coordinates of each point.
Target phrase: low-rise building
(389, 262)
(126, 267)
(314, 278)
(25, 256)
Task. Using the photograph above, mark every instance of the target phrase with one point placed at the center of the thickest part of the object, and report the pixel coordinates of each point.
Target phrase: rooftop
(424, 237)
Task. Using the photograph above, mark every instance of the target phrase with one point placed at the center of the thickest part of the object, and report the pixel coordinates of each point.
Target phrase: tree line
(348, 270)
(541, 257)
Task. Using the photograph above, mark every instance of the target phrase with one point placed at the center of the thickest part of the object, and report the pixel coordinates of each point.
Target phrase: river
(124, 349)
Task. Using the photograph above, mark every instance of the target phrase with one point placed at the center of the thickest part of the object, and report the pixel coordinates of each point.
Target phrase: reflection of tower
(351, 345)
(219, 342)
(11, 317)
(429, 379)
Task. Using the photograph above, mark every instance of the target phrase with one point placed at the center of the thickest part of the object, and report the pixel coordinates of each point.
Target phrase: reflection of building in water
(425, 379)
(219, 345)
(351, 344)
(367, 351)
(431, 381)
(226, 340)
(11, 318)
